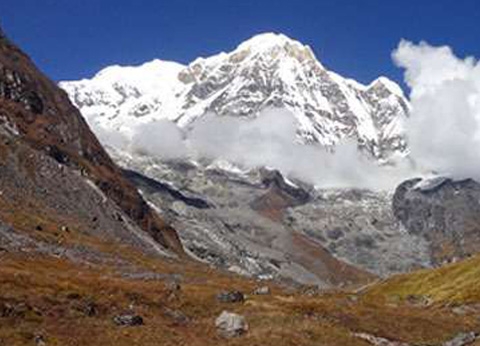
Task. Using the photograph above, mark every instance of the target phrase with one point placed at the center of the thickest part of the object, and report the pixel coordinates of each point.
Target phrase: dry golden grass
(456, 283)
(54, 288)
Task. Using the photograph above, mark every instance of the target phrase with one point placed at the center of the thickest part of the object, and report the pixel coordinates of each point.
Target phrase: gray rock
(231, 297)
(129, 320)
(335, 234)
(39, 340)
(419, 300)
(359, 227)
(261, 291)
(231, 325)
(462, 339)
(378, 341)
(467, 309)
(177, 316)
(173, 286)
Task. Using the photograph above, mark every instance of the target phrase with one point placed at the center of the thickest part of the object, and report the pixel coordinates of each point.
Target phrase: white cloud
(267, 140)
(162, 139)
(443, 129)
(109, 137)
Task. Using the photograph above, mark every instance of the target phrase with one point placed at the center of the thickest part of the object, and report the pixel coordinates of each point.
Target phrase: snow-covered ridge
(264, 71)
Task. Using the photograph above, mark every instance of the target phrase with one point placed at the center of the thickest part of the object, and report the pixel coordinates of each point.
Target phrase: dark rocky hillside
(40, 119)
(443, 211)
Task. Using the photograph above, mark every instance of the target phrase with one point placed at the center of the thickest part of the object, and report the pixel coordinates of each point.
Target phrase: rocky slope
(48, 149)
(267, 70)
(260, 224)
(235, 222)
(443, 211)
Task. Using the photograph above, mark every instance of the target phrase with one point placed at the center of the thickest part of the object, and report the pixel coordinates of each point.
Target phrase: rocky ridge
(39, 124)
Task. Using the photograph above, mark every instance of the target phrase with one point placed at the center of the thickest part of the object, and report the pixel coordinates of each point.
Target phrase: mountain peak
(388, 84)
(276, 45)
(268, 70)
(267, 40)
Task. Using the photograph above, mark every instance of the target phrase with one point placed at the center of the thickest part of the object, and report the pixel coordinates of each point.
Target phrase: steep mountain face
(46, 141)
(443, 211)
(260, 224)
(267, 70)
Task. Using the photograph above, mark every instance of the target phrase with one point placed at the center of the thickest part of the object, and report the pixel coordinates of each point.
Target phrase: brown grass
(54, 288)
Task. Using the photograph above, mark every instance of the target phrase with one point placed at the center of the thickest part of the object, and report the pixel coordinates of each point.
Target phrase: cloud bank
(270, 139)
(443, 132)
(443, 129)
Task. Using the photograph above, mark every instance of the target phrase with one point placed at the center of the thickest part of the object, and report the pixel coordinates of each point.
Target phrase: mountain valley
(106, 245)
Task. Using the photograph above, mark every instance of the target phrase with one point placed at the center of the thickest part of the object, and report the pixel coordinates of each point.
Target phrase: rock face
(358, 226)
(244, 229)
(279, 195)
(269, 70)
(261, 224)
(231, 325)
(37, 119)
(444, 212)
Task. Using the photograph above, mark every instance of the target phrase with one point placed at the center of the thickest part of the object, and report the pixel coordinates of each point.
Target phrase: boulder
(231, 325)
(419, 300)
(128, 320)
(231, 297)
(177, 316)
(261, 291)
(462, 339)
(470, 309)
(378, 341)
(39, 340)
(173, 286)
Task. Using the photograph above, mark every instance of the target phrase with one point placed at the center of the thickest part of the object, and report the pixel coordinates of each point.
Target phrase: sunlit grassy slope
(456, 283)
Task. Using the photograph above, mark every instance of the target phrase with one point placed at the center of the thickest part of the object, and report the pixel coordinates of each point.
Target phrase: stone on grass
(262, 291)
(462, 339)
(230, 325)
(128, 320)
(231, 297)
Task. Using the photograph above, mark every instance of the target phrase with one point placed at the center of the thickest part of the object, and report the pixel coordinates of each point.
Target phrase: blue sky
(72, 39)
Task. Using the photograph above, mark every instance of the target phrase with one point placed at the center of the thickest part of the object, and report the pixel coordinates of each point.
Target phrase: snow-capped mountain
(264, 71)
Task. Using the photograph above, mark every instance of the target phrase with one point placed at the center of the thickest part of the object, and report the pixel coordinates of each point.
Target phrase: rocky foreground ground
(128, 298)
